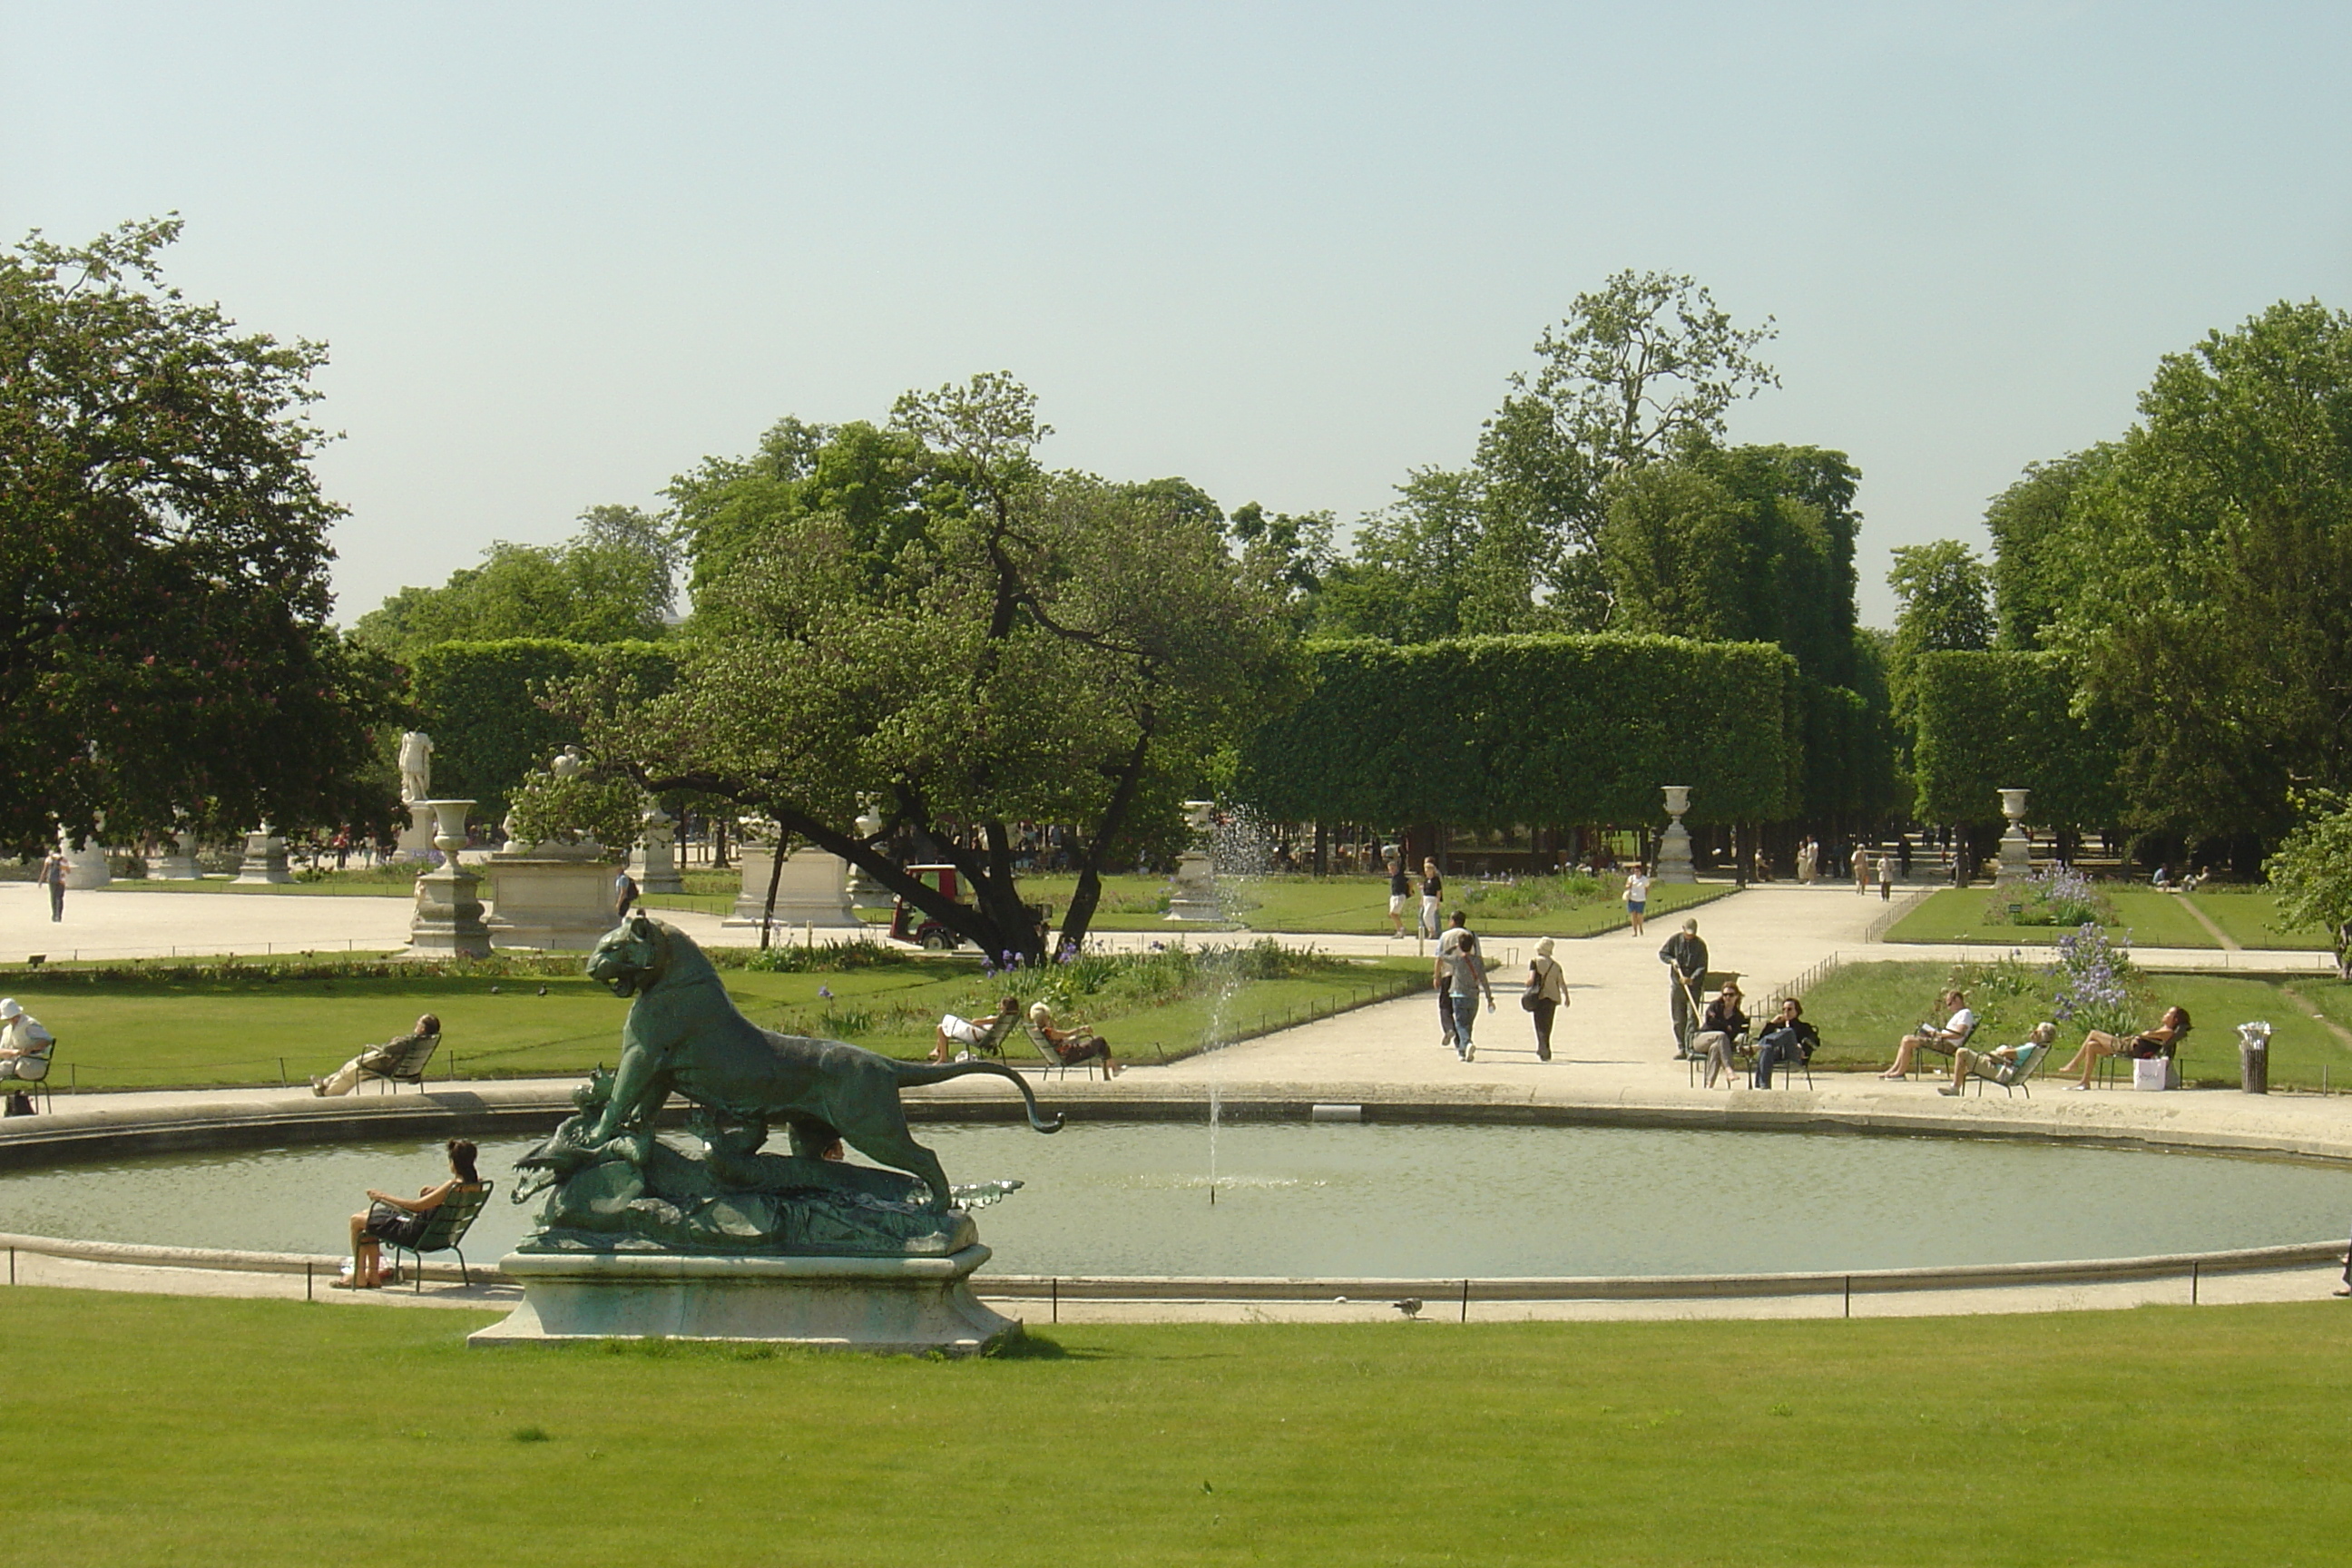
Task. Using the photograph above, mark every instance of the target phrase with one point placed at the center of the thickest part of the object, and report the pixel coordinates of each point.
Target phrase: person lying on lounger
(2001, 1063)
(1072, 1046)
(2150, 1043)
(375, 1059)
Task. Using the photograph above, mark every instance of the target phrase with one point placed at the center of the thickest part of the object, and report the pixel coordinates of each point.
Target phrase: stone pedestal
(86, 867)
(415, 841)
(1193, 894)
(889, 1305)
(2016, 850)
(447, 921)
(1673, 845)
(864, 892)
(813, 891)
(550, 896)
(654, 862)
(177, 863)
(265, 857)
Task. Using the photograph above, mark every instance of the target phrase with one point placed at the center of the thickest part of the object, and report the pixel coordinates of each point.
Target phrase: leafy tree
(2036, 523)
(1286, 557)
(1942, 597)
(1638, 370)
(1412, 568)
(1749, 543)
(167, 661)
(1039, 645)
(1943, 604)
(2216, 618)
(2312, 873)
(611, 583)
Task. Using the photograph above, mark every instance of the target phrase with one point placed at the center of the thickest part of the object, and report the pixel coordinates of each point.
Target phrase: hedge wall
(479, 702)
(2001, 720)
(1489, 731)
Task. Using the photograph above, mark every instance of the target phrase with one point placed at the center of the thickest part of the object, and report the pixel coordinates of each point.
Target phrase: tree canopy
(167, 661)
(611, 582)
(969, 639)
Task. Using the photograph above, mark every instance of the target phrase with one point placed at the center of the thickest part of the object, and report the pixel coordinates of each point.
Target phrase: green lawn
(138, 1033)
(303, 1433)
(1970, 915)
(1863, 1009)
(1343, 905)
(2251, 916)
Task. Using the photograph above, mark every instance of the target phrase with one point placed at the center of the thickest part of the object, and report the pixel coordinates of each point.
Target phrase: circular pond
(1407, 1201)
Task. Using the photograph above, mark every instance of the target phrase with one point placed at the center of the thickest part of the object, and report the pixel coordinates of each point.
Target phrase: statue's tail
(917, 1074)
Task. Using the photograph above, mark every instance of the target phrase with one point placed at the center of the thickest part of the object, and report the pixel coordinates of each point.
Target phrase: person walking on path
(53, 876)
(1433, 888)
(1400, 889)
(1809, 861)
(1860, 868)
(1685, 956)
(1460, 975)
(1886, 878)
(1548, 993)
(1637, 896)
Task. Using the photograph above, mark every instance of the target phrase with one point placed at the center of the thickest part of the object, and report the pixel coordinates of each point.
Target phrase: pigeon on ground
(1410, 1305)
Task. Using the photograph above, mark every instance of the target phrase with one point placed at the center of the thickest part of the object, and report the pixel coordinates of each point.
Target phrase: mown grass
(1358, 906)
(1863, 1010)
(305, 1433)
(2251, 916)
(141, 1033)
(1976, 915)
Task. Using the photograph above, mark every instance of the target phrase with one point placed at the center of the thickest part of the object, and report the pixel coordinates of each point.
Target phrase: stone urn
(1193, 898)
(447, 918)
(2016, 849)
(1673, 845)
(265, 857)
(654, 862)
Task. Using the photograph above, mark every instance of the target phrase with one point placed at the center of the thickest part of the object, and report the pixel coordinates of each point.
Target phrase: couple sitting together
(959, 1038)
(1787, 1039)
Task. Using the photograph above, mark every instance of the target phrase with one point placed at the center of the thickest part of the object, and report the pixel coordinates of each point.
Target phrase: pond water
(1414, 1201)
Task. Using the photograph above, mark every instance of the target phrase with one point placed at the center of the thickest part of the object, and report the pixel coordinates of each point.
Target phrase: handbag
(1533, 994)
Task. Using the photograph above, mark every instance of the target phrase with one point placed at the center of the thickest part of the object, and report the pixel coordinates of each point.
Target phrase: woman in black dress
(402, 1220)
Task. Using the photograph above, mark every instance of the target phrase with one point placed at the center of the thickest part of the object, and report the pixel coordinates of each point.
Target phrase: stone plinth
(415, 841)
(86, 867)
(1673, 845)
(2016, 850)
(550, 897)
(890, 1305)
(265, 857)
(447, 921)
(177, 863)
(1194, 896)
(654, 862)
(813, 891)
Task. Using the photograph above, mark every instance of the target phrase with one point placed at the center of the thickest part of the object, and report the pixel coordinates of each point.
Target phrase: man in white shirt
(24, 1049)
(1945, 1040)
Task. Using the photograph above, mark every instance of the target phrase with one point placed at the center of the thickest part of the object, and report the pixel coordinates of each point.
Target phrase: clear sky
(562, 252)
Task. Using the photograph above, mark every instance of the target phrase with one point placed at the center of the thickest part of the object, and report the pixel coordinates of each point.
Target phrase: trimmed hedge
(1491, 732)
(1989, 720)
(479, 702)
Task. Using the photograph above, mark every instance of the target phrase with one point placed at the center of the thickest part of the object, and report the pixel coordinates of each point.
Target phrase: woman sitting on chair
(1072, 1045)
(2154, 1042)
(1719, 1031)
(400, 1221)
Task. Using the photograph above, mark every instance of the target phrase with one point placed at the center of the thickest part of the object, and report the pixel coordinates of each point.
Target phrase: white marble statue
(567, 762)
(415, 767)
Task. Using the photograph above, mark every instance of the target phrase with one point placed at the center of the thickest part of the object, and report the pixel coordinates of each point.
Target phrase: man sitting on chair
(1947, 1039)
(2002, 1063)
(375, 1059)
(1787, 1039)
(24, 1049)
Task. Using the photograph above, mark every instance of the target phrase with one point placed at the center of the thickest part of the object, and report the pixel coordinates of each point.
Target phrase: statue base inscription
(885, 1305)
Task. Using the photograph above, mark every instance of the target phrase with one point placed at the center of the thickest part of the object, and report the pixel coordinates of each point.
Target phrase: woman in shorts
(1637, 895)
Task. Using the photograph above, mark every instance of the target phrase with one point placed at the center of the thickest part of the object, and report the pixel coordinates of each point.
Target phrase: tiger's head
(631, 957)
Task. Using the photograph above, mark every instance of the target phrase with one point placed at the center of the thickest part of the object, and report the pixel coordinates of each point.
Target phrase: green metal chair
(445, 1228)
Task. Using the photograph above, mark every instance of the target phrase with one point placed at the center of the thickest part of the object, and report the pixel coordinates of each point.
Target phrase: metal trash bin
(2255, 1057)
